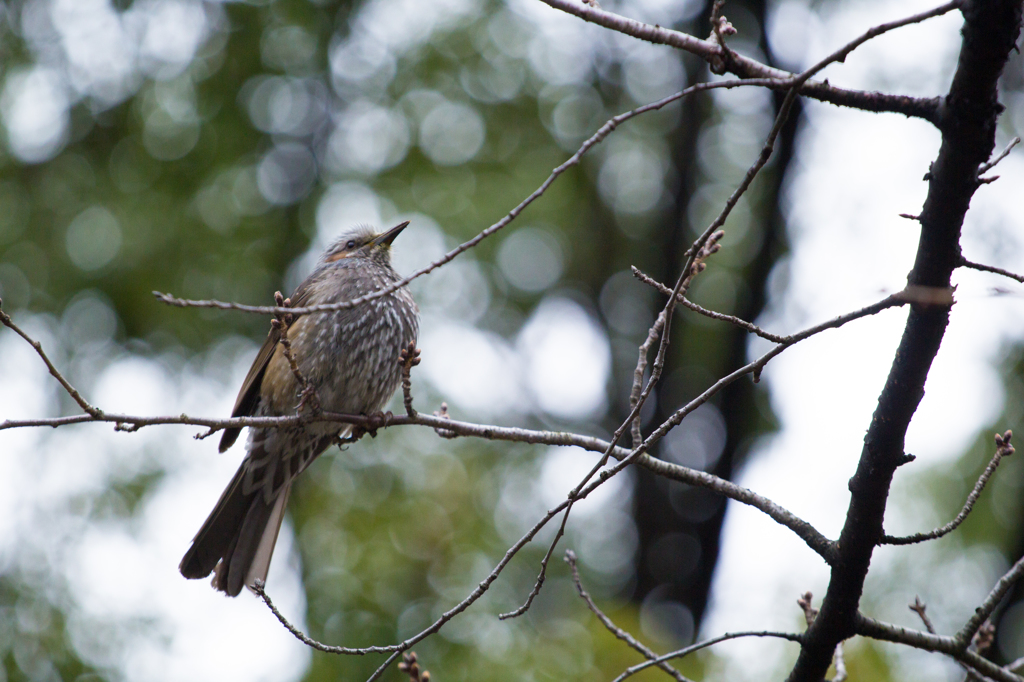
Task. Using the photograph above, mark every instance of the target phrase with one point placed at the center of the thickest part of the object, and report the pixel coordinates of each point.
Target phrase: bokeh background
(211, 150)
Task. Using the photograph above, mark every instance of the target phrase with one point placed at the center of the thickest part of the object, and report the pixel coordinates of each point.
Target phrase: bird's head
(362, 241)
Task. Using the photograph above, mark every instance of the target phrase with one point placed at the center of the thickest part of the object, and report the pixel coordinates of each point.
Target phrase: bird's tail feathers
(237, 540)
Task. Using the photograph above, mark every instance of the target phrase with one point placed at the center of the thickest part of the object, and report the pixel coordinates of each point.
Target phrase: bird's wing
(249, 395)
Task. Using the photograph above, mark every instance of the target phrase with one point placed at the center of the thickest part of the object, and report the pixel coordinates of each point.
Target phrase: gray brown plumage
(351, 358)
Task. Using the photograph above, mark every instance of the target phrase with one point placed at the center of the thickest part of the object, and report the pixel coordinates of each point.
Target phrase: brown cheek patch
(338, 256)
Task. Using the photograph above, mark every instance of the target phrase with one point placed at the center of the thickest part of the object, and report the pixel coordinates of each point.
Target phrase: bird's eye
(351, 244)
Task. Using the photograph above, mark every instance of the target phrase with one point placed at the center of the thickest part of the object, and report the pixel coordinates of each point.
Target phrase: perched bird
(350, 357)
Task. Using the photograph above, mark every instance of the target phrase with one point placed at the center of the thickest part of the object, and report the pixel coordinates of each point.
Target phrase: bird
(350, 360)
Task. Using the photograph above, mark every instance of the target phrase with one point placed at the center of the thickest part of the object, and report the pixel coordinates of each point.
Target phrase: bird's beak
(387, 237)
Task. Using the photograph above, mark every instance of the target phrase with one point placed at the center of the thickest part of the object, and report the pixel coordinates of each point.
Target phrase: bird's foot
(309, 402)
(379, 420)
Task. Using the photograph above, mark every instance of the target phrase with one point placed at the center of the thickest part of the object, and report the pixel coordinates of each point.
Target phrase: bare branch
(1003, 449)
(731, 319)
(981, 614)
(542, 574)
(408, 358)
(282, 322)
(805, 604)
(869, 627)
(570, 558)
(805, 531)
(746, 67)
(443, 424)
(842, 53)
(92, 411)
(259, 588)
(704, 246)
(985, 167)
(791, 636)
(990, 268)
(919, 608)
(641, 368)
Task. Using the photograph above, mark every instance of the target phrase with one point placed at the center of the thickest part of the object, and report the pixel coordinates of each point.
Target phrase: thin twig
(641, 369)
(981, 614)
(445, 425)
(706, 245)
(731, 319)
(1003, 449)
(570, 558)
(408, 358)
(629, 672)
(804, 530)
(985, 167)
(282, 322)
(869, 627)
(810, 613)
(92, 411)
(842, 53)
(807, 607)
(756, 366)
(991, 268)
(542, 573)
(259, 588)
(708, 50)
(659, 330)
(574, 160)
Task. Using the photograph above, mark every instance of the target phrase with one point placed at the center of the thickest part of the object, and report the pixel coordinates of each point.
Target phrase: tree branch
(869, 627)
(981, 614)
(928, 109)
(791, 636)
(968, 124)
(991, 268)
(704, 246)
(259, 588)
(1003, 449)
(93, 412)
